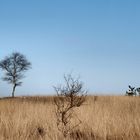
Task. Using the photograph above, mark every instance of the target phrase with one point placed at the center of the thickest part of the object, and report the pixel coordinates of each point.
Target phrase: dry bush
(106, 118)
(69, 96)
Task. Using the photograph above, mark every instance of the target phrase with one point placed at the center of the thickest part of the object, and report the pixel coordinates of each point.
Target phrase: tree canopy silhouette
(14, 66)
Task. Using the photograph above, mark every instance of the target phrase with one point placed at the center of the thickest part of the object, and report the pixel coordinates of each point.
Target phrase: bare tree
(69, 96)
(14, 66)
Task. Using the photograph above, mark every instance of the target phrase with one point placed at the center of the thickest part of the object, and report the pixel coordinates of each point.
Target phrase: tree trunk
(13, 92)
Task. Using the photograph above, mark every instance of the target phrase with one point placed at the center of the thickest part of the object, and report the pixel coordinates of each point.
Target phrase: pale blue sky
(96, 39)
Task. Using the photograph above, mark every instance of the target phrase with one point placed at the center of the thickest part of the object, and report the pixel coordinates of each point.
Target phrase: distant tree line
(132, 91)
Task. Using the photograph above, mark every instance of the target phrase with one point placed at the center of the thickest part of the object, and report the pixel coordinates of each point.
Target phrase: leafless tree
(69, 96)
(14, 66)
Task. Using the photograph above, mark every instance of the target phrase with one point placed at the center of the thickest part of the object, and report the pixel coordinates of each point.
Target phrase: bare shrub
(69, 96)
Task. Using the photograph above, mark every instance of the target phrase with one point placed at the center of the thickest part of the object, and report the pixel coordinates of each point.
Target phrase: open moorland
(103, 118)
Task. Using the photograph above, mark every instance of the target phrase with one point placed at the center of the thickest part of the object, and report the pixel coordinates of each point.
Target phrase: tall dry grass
(103, 118)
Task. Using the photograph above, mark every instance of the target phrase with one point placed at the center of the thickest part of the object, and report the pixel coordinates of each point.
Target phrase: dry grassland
(103, 118)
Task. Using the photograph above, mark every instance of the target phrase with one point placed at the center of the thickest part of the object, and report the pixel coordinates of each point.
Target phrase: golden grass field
(103, 118)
